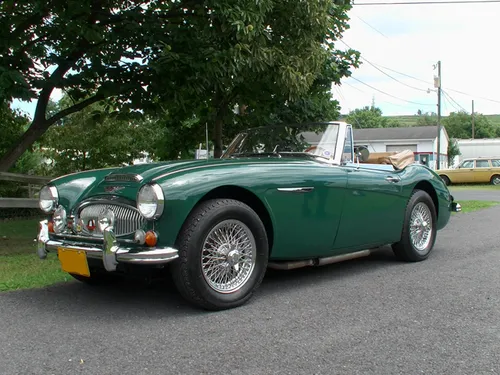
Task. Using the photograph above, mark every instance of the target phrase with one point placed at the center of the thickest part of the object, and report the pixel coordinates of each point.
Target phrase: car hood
(125, 181)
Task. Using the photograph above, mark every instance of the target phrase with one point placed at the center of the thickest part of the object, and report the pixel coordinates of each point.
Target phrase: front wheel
(223, 255)
(419, 229)
(495, 180)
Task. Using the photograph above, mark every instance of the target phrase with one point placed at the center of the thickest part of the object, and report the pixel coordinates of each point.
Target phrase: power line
(364, 92)
(388, 75)
(421, 80)
(431, 2)
(378, 31)
(395, 97)
(449, 97)
(446, 100)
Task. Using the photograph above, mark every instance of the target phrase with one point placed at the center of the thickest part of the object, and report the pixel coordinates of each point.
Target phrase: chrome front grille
(127, 219)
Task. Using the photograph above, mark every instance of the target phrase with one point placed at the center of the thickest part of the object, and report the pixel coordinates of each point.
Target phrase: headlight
(48, 199)
(150, 201)
(59, 219)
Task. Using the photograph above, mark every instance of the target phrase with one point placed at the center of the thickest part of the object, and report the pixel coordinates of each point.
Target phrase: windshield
(317, 140)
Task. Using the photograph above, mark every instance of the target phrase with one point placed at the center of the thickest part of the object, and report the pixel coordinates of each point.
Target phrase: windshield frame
(335, 158)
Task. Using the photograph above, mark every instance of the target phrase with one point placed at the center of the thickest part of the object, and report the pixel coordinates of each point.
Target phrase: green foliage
(12, 125)
(275, 59)
(369, 117)
(97, 138)
(427, 119)
(459, 125)
(453, 150)
(196, 59)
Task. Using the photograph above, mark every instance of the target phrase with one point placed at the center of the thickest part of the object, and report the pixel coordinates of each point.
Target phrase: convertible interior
(399, 160)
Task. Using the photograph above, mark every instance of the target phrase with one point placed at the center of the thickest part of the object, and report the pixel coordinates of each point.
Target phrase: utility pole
(437, 84)
(472, 118)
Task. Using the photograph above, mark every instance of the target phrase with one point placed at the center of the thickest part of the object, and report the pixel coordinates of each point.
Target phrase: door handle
(392, 179)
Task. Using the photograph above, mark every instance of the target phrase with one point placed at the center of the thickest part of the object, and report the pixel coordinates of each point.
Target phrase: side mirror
(363, 153)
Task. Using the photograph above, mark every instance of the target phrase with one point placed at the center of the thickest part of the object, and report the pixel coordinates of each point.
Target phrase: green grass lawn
(20, 267)
(470, 206)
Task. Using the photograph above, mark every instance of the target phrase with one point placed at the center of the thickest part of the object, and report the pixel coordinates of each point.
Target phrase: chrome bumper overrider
(110, 252)
(455, 206)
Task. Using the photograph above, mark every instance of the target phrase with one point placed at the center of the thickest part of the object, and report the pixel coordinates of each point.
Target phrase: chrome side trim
(123, 177)
(296, 189)
(110, 251)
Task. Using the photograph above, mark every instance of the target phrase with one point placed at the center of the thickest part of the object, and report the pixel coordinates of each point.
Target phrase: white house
(422, 140)
(473, 148)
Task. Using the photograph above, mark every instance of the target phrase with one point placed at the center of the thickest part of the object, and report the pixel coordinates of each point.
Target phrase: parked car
(473, 170)
(280, 197)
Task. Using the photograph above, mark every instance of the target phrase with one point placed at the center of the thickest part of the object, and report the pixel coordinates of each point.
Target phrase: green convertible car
(280, 197)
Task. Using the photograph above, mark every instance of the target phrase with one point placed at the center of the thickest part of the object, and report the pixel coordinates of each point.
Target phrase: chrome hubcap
(228, 256)
(420, 227)
(496, 181)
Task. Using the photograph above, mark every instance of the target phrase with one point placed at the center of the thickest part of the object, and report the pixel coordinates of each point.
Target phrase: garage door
(392, 148)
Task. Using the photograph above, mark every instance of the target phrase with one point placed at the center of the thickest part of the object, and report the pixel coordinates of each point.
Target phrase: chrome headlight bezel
(50, 196)
(150, 201)
(59, 219)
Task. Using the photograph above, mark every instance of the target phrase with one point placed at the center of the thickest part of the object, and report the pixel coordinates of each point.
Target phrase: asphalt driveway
(475, 194)
(366, 316)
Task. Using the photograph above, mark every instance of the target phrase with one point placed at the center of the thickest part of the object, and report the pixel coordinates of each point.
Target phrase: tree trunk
(218, 136)
(37, 128)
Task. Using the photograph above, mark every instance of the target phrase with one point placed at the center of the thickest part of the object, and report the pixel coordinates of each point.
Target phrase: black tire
(445, 179)
(405, 249)
(495, 179)
(187, 271)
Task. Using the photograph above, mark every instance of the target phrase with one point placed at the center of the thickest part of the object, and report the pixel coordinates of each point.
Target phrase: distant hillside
(411, 120)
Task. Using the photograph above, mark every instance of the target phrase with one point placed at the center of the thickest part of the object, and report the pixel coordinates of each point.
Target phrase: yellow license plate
(73, 261)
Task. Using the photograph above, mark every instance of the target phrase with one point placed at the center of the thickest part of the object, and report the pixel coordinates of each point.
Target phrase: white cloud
(415, 37)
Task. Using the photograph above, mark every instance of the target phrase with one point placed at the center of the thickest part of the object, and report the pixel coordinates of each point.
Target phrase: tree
(250, 54)
(453, 150)
(88, 48)
(427, 119)
(459, 125)
(96, 138)
(369, 117)
(12, 125)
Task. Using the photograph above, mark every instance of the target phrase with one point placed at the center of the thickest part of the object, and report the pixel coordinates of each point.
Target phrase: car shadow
(160, 299)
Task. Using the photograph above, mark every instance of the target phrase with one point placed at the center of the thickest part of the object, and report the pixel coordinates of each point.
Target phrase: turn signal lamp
(151, 238)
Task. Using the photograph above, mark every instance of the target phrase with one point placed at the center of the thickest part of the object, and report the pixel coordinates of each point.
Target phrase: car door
(464, 173)
(482, 171)
(373, 209)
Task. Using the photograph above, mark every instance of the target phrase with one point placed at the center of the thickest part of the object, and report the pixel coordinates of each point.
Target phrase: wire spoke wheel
(228, 256)
(420, 227)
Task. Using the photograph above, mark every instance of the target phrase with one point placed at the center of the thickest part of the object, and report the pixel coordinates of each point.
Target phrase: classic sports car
(280, 197)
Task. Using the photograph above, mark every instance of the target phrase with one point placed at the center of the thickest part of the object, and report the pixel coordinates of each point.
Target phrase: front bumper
(455, 206)
(110, 251)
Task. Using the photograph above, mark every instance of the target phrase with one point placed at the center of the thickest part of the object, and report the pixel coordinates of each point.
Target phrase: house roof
(410, 132)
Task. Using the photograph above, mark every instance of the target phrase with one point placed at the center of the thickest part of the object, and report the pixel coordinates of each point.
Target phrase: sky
(411, 39)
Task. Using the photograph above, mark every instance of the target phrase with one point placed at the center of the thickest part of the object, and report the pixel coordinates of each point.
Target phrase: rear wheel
(419, 229)
(223, 255)
(445, 179)
(495, 180)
